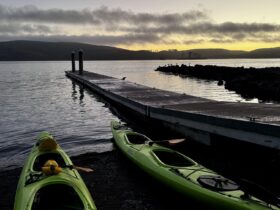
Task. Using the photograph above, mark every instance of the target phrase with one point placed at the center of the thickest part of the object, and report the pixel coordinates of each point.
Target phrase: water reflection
(82, 95)
(74, 91)
(75, 117)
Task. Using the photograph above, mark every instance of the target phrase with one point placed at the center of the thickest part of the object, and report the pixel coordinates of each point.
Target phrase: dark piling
(73, 61)
(81, 61)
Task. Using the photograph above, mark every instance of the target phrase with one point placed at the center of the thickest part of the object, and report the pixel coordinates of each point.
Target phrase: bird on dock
(123, 78)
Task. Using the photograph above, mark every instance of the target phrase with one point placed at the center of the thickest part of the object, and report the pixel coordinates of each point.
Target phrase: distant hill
(265, 53)
(34, 50)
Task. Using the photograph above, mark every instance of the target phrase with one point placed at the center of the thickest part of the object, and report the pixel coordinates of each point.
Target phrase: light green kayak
(49, 181)
(183, 174)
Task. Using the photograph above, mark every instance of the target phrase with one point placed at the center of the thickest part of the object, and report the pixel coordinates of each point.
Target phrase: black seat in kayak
(41, 159)
(136, 138)
(173, 158)
(57, 197)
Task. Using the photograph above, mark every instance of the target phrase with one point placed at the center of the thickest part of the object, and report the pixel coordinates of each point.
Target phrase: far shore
(26, 50)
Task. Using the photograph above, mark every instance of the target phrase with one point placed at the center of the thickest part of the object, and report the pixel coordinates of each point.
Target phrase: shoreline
(117, 184)
(114, 184)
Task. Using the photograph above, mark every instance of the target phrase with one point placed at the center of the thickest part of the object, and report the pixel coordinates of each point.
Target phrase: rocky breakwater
(261, 83)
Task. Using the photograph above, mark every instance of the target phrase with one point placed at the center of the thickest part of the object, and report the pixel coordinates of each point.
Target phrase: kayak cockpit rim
(136, 138)
(54, 194)
(165, 157)
(41, 159)
(171, 159)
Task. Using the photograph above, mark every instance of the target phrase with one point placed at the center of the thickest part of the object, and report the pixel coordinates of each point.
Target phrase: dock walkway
(196, 117)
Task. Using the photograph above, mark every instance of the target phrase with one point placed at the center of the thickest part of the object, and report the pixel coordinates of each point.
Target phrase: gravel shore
(117, 184)
(114, 184)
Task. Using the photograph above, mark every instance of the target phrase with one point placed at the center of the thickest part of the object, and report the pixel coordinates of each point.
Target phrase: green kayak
(49, 181)
(183, 174)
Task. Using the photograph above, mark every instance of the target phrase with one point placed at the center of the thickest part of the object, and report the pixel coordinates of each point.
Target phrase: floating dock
(198, 118)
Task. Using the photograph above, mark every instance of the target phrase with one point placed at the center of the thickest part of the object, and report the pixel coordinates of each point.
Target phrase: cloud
(99, 16)
(94, 39)
(221, 33)
(265, 38)
(222, 41)
(106, 26)
(33, 14)
(17, 28)
(209, 28)
(196, 41)
(230, 27)
(106, 15)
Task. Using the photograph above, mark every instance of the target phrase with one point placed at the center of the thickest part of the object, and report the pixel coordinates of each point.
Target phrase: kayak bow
(48, 182)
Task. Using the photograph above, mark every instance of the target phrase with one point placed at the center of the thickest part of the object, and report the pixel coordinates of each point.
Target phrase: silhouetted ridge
(36, 50)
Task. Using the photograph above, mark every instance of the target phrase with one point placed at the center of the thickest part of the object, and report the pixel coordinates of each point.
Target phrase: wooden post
(73, 61)
(81, 66)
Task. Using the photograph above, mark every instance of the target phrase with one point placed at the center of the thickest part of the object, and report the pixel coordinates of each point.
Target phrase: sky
(146, 24)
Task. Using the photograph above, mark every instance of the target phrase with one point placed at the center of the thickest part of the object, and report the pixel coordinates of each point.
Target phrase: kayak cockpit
(41, 160)
(135, 138)
(57, 197)
(172, 158)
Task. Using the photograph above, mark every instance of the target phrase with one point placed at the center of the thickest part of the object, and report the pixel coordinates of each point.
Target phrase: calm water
(36, 96)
